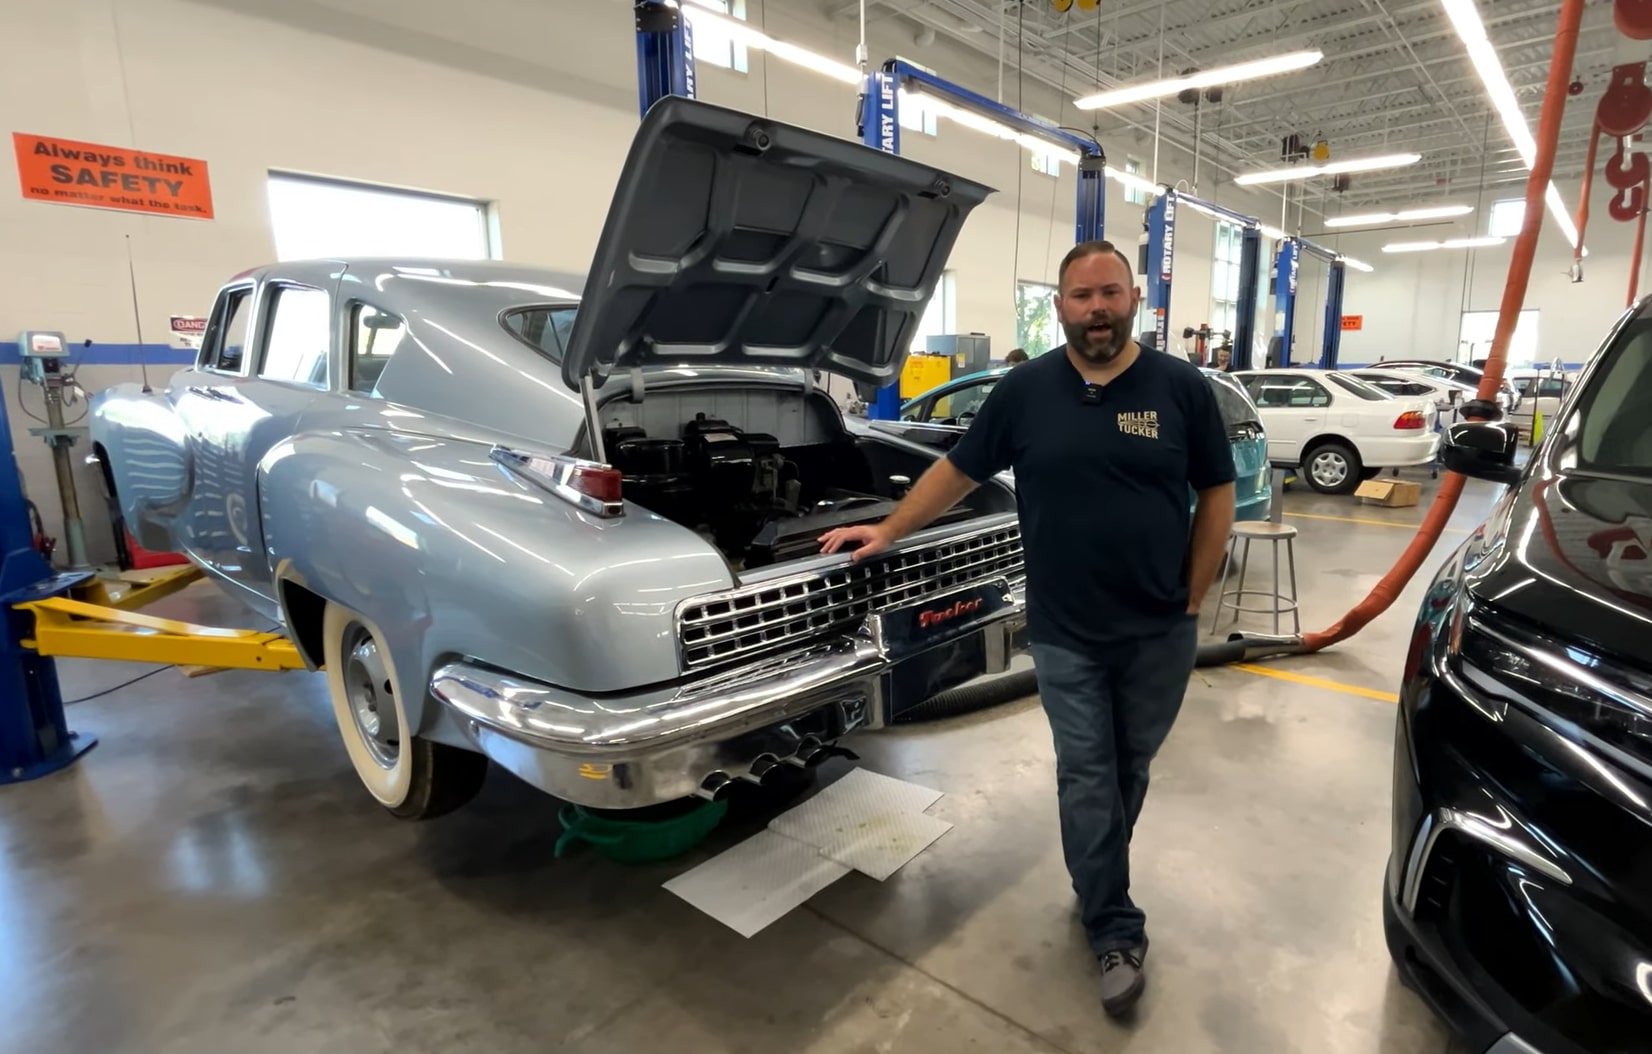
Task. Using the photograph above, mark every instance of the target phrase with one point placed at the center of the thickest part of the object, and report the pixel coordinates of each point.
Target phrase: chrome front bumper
(695, 737)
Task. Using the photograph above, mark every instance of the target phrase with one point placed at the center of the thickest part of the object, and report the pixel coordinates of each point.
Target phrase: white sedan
(1339, 430)
(1447, 394)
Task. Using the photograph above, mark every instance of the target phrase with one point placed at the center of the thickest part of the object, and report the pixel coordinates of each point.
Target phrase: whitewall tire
(411, 777)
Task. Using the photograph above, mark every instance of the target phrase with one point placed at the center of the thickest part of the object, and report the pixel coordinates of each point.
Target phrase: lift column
(1244, 322)
(1286, 263)
(34, 734)
(1159, 264)
(1335, 285)
(665, 52)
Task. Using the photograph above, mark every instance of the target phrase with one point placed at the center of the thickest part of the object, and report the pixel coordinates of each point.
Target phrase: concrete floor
(210, 878)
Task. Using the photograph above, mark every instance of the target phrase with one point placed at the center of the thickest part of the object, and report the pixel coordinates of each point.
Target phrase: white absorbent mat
(755, 883)
(865, 822)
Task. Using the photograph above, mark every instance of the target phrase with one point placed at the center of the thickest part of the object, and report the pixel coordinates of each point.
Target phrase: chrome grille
(759, 618)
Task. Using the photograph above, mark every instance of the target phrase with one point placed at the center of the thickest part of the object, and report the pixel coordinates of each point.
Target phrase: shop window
(313, 218)
(714, 44)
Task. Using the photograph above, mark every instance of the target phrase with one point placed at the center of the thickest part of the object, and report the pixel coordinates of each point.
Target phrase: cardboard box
(1390, 493)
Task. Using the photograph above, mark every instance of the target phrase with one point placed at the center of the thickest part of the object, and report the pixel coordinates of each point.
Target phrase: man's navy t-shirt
(1102, 484)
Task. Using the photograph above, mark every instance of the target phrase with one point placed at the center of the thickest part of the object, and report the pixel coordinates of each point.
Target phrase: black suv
(1519, 890)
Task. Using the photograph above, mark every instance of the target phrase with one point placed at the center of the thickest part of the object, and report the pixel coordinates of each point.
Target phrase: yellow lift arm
(66, 628)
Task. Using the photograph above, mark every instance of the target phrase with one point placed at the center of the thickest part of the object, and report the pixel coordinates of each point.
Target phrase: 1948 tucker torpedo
(576, 533)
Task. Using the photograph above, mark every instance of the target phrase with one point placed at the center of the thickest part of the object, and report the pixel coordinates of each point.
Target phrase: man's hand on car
(871, 538)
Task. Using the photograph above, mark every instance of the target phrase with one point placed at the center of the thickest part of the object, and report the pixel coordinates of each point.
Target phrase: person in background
(1224, 359)
(1105, 442)
(1016, 357)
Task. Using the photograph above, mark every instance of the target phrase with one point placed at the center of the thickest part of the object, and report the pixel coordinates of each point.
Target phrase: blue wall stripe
(111, 354)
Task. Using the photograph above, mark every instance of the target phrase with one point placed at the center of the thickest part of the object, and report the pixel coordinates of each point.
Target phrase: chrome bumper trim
(662, 744)
(1502, 837)
(1512, 1044)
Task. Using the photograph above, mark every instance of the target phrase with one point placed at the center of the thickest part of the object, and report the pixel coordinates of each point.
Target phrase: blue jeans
(1110, 711)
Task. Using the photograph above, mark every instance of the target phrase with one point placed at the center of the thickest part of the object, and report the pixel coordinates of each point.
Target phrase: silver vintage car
(570, 524)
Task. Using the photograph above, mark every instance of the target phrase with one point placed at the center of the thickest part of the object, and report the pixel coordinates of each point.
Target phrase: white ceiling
(1394, 78)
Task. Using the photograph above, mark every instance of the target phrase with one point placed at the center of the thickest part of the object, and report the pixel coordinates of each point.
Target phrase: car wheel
(411, 777)
(1332, 468)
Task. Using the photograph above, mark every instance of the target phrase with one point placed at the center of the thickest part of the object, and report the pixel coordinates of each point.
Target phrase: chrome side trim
(1497, 836)
(1555, 660)
(1512, 1044)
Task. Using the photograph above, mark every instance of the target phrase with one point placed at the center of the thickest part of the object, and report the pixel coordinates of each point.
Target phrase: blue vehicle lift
(1158, 267)
(880, 128)
(35, 738)
(1288, 263)
(1158, 270)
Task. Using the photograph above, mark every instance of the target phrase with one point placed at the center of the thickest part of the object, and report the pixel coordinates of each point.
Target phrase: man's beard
(1100, 347)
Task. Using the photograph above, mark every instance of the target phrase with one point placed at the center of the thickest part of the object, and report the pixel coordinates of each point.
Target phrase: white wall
(1412, 305)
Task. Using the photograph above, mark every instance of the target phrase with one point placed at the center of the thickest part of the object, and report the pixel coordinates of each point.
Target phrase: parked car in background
(1447, 394)
(1507, 397)
(1519, 885)
(945, 411)
(1337, 429)
(577, 533)
(1452, 370)
(1541, 390)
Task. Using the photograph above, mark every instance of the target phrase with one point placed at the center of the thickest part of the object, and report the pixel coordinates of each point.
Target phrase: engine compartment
(758, 502)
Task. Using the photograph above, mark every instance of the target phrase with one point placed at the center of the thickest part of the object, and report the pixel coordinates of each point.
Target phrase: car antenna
(137, 316)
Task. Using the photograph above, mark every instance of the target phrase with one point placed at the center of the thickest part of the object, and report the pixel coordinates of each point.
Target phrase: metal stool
(1259, 530)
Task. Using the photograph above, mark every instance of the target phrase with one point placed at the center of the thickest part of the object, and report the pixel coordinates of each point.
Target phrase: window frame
(207, 359)
(269, 300)
(352, 330)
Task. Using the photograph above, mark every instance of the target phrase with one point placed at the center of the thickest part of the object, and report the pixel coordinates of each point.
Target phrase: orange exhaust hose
(1514, 295)
(1583, 198)
(1640, 239)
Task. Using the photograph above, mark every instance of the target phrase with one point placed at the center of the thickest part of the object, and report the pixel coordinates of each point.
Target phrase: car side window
(374, 337)
(1551, 388)
(297, 336)
(1290, 393)
(226, 345)
(962, 402)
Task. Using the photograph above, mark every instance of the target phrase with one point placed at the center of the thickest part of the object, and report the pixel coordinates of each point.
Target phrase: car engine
(757, 502)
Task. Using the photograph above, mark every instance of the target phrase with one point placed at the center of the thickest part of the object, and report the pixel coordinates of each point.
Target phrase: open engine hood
(735, 239)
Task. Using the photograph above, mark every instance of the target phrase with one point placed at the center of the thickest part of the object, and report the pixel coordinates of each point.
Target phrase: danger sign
(66, 172)
(1352, 322)
(188, 330)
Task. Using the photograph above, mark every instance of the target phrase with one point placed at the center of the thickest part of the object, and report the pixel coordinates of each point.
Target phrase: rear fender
(453, 556)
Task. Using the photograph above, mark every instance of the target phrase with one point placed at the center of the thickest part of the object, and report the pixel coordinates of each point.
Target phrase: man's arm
(1212, 520)
(941, 487)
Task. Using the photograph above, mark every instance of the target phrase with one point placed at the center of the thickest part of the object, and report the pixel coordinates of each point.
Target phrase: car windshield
(543, 328)
(1358, 387)
(1613, 419)
(1235, 404)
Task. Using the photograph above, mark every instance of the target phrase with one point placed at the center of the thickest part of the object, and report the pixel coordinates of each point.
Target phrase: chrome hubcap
(372, 697)
(1329, 469)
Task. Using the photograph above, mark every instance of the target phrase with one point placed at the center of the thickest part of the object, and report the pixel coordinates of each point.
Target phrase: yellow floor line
(1373, 523)
(1318, 682)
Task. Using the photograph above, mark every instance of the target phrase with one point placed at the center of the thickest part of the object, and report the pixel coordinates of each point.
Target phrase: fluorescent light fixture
(1371, 219)
(986, 125)
(1360, 164)
(1358, 265)
(1272, 232)
(1244, 71)
(1465, 18)
(1134, 182)
(745, 34)
(1454, 243)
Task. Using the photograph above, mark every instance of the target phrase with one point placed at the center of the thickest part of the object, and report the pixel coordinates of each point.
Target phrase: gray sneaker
(1122, 979)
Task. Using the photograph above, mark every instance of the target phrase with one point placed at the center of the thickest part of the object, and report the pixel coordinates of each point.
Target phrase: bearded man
(1105, 440)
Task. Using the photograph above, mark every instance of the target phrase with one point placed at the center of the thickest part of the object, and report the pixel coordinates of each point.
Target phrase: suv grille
(748, 622)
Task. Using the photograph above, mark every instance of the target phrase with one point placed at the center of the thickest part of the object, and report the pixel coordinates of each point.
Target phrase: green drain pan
(644, 835)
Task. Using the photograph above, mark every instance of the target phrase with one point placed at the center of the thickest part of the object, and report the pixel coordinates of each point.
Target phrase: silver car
(570, 524)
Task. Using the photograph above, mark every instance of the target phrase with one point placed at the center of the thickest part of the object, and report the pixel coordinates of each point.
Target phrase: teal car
(941, 414)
